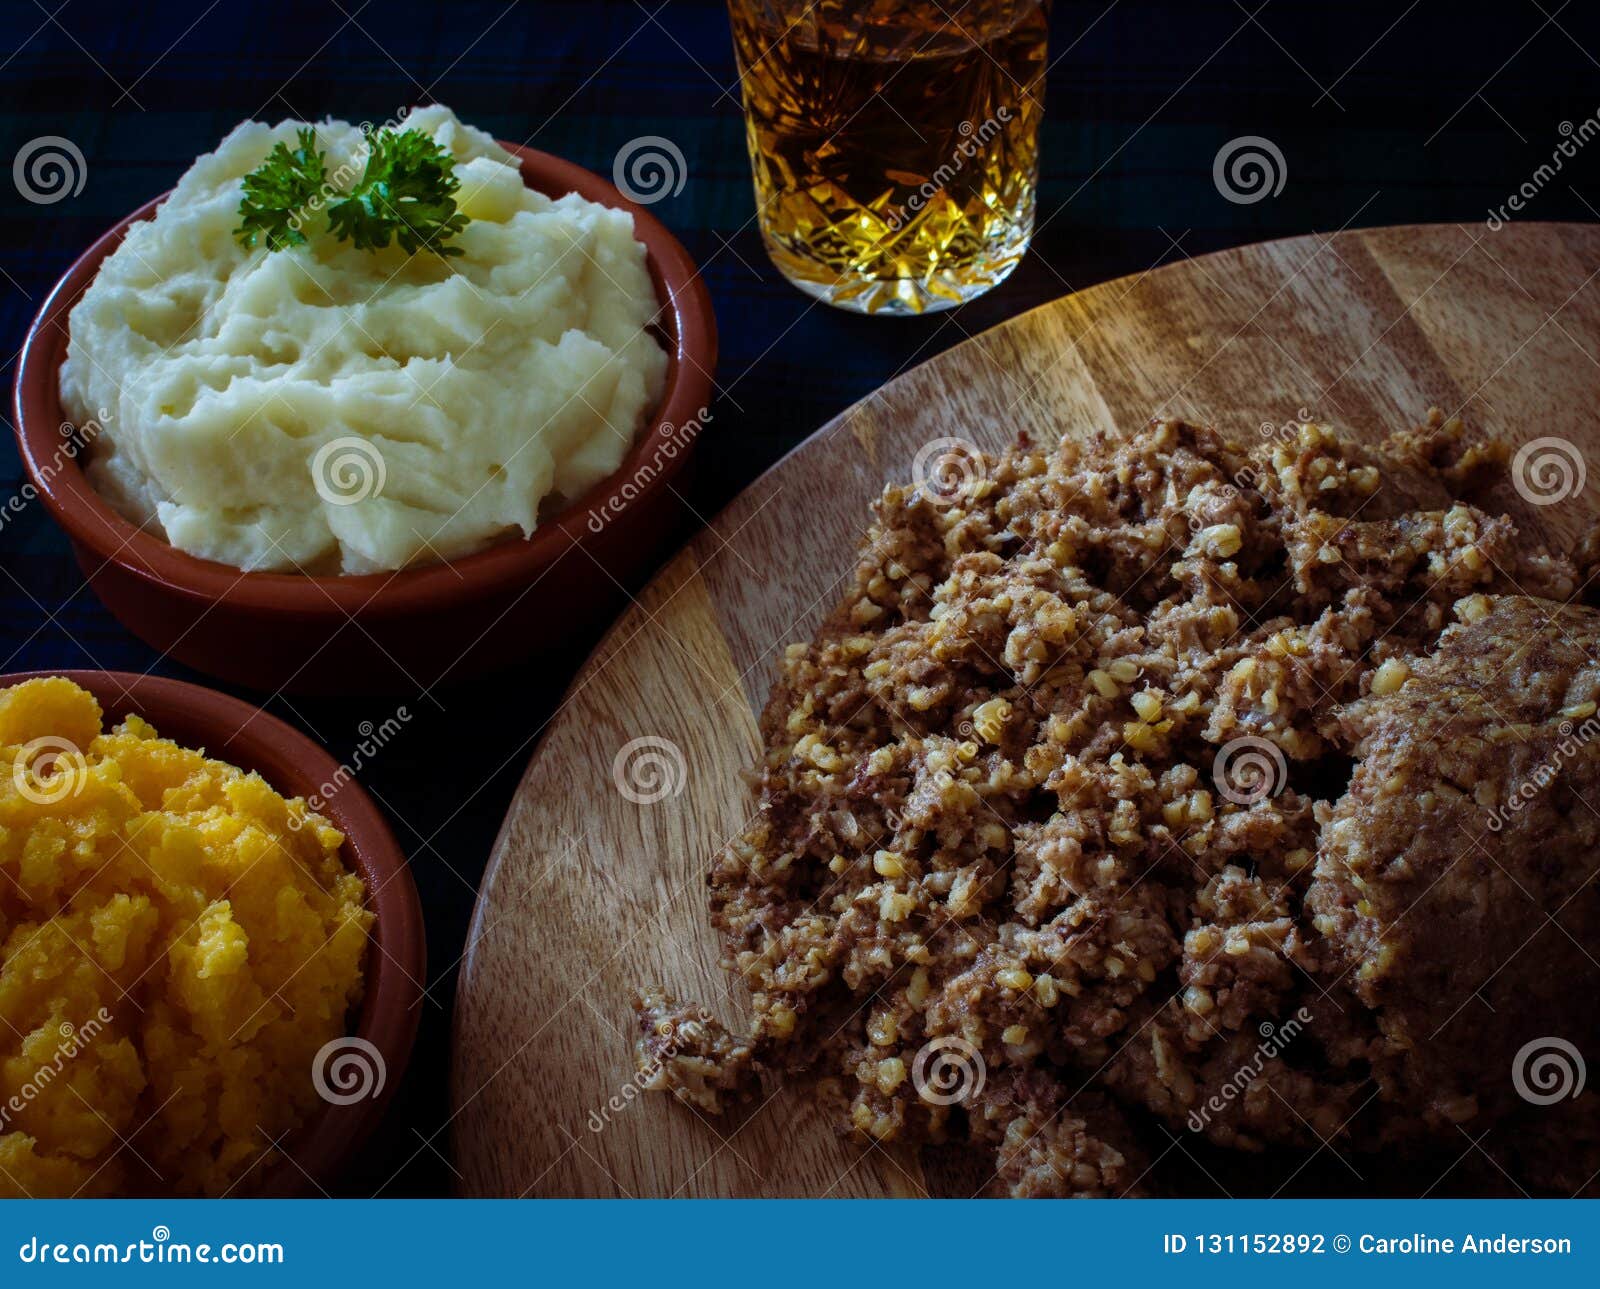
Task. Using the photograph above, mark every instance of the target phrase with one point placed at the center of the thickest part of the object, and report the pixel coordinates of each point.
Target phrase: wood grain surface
(590, 893)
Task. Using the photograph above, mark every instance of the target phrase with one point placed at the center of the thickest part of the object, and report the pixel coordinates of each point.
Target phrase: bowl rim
(685, 314)
(395, 968)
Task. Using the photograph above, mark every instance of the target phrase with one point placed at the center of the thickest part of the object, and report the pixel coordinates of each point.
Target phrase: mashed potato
(173, 953)
(327, 409)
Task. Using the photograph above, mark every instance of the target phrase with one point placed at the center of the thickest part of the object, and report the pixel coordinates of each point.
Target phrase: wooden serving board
(591, 894)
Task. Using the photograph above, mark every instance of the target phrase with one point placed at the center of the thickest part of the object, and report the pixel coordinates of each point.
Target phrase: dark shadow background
(1385, 112)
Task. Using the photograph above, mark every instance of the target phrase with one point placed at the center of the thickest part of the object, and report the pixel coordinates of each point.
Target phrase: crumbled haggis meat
(991, 814)
(1239, 1089)
(1045, 1149)
(682, 1050)
(1587, 557)
(1458, 882)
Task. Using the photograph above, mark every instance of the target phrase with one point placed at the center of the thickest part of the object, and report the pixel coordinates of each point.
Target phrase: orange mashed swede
(177, 941)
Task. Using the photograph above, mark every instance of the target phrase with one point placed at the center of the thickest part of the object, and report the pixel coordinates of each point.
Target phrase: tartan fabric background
(1385, 112)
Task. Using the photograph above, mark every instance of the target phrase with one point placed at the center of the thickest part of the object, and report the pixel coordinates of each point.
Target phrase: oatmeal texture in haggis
(1007, 821)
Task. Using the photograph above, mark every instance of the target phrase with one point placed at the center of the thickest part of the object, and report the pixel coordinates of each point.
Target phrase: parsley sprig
(406, 194)
(279, 191)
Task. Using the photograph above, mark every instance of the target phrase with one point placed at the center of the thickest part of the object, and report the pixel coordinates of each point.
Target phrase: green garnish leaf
(406, 194)
(278, 192)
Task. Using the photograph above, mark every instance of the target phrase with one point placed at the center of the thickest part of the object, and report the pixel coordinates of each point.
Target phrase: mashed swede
(177, 944)
(326, 409)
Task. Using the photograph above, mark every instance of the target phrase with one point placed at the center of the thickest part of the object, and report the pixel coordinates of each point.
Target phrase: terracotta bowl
(396, 962)
(386, 631)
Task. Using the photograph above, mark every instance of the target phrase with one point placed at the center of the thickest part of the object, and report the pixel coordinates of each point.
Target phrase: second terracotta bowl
(386, 631)
(396, 963)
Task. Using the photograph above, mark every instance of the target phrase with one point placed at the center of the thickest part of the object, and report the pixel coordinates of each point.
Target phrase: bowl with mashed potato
(333, 464)
(211, 948)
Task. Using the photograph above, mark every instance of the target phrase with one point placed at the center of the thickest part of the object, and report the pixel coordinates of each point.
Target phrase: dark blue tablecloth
(1385, 113)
